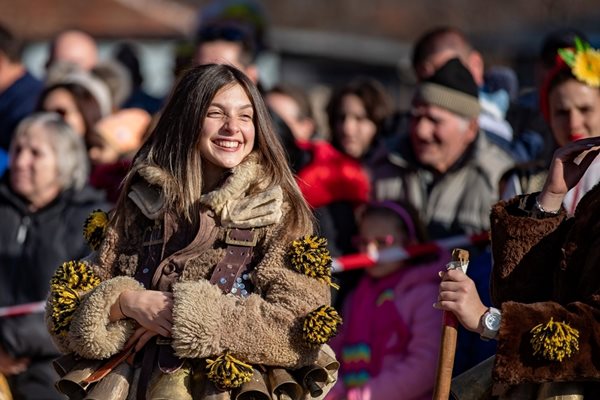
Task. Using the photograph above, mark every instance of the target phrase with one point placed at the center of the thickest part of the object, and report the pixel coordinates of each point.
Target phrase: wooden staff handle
(443, 377)
(111, 364)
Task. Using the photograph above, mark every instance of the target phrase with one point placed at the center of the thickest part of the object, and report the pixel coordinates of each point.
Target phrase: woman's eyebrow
(222, 106)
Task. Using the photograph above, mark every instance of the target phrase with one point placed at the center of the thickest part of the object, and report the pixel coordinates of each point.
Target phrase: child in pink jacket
(389, 343)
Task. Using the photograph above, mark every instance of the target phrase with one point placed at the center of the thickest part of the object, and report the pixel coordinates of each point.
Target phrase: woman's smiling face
(227, 133)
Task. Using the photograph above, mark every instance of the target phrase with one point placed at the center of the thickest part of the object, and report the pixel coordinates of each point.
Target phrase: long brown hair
(173, 147)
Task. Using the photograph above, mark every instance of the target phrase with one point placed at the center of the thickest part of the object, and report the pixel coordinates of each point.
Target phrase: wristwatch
(490, 321)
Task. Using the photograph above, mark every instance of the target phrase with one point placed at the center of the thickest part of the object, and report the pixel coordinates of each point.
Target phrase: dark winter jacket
(32, 245)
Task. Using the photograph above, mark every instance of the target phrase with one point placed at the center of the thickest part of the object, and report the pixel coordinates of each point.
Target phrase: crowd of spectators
(468, 139)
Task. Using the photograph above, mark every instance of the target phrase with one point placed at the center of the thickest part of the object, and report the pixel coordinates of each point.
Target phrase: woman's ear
(472, 129)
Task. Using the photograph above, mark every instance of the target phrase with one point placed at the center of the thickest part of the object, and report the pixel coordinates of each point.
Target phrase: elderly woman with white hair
(44, 201)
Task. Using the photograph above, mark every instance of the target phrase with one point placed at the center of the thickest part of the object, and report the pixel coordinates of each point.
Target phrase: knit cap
(67, 73)
(451, 87)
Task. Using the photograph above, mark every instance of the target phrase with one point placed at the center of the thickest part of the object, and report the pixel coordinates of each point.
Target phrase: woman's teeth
(226, 143)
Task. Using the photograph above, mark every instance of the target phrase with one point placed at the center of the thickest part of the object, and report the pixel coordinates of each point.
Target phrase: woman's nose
(348, 125)
(21, 159)
(575, 121)
(231, 125)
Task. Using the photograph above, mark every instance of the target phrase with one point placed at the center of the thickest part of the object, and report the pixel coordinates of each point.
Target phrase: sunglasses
(380, 242)
(228, 33)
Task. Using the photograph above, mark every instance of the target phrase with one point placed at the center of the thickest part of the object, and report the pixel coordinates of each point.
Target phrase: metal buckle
(237, 242)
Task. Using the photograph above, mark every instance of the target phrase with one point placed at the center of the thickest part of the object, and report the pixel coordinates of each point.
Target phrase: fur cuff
(196, 319)
(516, 360)
(92, 335)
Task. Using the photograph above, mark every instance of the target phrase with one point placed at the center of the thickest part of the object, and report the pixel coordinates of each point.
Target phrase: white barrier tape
(392, 254)
(22, 309)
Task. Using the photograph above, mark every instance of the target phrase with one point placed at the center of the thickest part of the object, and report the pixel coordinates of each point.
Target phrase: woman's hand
(458, 295)
(140, 337)
(568, 166)
(151, 309)
(12, 366)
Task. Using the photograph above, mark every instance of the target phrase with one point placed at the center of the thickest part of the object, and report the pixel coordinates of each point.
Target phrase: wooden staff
(460, 259)
(4, 389)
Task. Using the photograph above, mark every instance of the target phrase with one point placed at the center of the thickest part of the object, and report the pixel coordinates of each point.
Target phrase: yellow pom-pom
(69, 279)
(94, 228)
(321, 324)
(64, 301)
(554, 341)
(311, 257)
(227, 372)
(76, 275)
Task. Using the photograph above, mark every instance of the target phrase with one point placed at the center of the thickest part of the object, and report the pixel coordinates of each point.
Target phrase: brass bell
(73, 383)
(255, 389)
(171, 386)
(114, 386)
(283, 385)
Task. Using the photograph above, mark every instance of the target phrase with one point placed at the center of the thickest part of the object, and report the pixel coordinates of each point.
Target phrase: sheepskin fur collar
(232, 202)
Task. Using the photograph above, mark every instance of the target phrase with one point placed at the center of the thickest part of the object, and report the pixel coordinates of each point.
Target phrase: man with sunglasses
(227, 42)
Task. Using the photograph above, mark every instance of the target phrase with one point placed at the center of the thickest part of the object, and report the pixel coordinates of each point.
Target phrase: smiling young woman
(207, 264)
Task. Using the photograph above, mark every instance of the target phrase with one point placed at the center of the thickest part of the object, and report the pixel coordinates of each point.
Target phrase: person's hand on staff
(569, 163)
(458, 295)
(140, 337)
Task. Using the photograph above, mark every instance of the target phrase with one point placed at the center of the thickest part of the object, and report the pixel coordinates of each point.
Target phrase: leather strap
(230, 274)
(148, 363)
(153, 244)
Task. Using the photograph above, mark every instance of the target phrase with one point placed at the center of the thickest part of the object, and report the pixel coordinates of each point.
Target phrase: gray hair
(71, 154)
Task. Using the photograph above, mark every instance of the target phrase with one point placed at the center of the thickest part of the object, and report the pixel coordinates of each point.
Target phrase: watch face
(492, 321)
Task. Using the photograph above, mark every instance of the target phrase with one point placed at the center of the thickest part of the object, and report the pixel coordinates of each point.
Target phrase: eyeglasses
(380, 242)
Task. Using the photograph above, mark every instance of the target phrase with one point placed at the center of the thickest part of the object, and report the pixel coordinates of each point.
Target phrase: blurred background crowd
(431, 110)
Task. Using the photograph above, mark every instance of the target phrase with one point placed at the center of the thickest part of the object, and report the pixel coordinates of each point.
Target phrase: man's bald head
(437, 46)
(76, 47)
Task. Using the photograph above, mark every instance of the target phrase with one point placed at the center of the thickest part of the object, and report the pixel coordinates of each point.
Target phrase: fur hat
(125, 129)
(451, 87)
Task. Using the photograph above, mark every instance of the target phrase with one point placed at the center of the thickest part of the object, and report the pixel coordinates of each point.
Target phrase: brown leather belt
(231, 273)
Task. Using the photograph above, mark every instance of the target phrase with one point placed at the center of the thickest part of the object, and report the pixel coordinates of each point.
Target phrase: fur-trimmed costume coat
(264, 328)
(546, 269)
